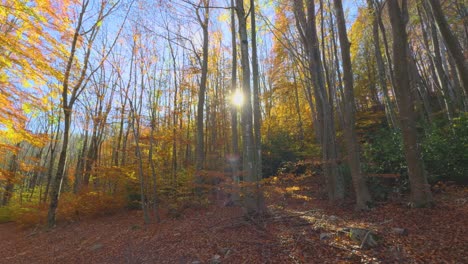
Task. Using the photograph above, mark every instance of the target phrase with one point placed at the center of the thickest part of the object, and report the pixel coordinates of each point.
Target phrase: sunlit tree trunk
(253, 198)
(235, 156)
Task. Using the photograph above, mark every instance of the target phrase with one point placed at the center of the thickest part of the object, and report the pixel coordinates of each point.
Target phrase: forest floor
(301, 228)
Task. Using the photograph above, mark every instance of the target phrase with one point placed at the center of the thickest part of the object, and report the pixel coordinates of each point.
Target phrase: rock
(96, 247)
(216, 259)
(224, 251)
(333, 218)
(400, 231)
(324, 236)
(365, 237)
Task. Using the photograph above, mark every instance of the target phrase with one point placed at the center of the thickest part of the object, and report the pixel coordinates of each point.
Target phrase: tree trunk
(389, 109)
(451, 42)
(235, 158)
(10, 184)
(359, 182)
(324, 107)
(256, 95)
(200, 147)
(253, 199)
(57, 184)
(420, 191)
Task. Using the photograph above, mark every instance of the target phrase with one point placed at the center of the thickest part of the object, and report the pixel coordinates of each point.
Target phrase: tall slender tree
(306, 25)
(72, 87)
(253, 198)
(452, 43)
(420, 191)
(352, 147)
(203, 21)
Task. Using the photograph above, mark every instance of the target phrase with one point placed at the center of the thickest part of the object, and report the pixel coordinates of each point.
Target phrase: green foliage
(133, 199)
(445, 151)
(444, 148)
(384, 153)
(275, 151)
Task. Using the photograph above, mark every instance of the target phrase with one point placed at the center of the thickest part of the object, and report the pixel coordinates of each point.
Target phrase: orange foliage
(72, 208)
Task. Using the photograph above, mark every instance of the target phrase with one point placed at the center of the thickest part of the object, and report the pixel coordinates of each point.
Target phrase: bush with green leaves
(275, 151)
(445, 151)
(384, 153)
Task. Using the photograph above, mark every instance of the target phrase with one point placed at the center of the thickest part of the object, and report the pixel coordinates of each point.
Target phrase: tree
(359, 182)
(324, 107)
(420, 190)
(257, 118)
(253, 198)
(200, 150)
(234, 124)
(389, 109)
(72, 87)
(452, 43)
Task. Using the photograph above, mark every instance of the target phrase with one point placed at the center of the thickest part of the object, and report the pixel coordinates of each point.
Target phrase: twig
(365, 239)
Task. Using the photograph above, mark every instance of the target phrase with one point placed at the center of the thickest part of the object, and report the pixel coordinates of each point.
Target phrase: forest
(233, 131)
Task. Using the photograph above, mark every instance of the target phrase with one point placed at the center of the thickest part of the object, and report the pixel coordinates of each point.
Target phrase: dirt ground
(301, 228)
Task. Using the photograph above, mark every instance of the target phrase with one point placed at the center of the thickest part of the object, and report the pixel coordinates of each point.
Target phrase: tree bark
(451, 42)
(200, 147)
(352, 147)
(234, 161)
(308, 32)
(253, 199)
(420, 191)
(256, 96)
(389, 109)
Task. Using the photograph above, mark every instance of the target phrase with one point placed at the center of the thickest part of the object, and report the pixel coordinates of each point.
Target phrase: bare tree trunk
(300, 125)
(421, 193)
(57, 184)
(253, 199)
(141, 176)
(435, 62)
(50, 168)
(256, 95)
(391, 76)
(200, 147)
(308, 33)
(10, 183)
(174, 117)
(235, 158)
(359, 182)
(80, 165)
(451, 42)
(70, 93)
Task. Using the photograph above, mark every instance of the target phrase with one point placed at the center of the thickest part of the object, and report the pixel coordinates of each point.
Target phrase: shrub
(72, 207)
(445, 151)
(384, 153)
(5, 214)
